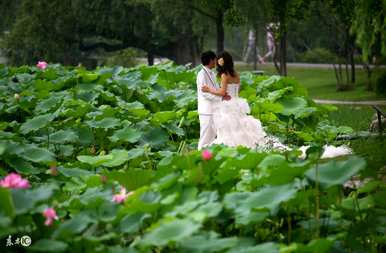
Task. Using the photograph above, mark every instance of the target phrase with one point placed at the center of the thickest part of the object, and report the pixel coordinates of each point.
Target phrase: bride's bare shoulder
(237, 77)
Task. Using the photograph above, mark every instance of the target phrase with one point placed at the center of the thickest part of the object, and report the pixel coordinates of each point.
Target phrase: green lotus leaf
(95, 160)
(105, 123)
(168, 232)
(119, 157)
(127, 134)
(336, 172)
(63, 136)
(36, 123)
(37, 155)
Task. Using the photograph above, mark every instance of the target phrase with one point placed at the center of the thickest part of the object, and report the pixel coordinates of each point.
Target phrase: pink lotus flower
(50, 215)
(42, 65)
(14, 181)
(121, 196)
(206, 155)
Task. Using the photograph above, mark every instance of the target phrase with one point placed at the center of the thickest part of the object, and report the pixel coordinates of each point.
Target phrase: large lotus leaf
(164, 116)
(135, 108)
(105, 123)
(48, 104)
(73, 226)
(173, 128)
(293, 105)
(204, 206)
(89, 77)
(131, 106)
(267, 83)
(156, 137)
(131, 223)
(135, 153)
(131, 81)
(95, 160)
(226, 172)
(36, 123)
(63, 136)
(269, 198)
(37, 155)
(205, 244)
(336, 172)
(127, 134)
(95, 195)
(168, 232)
(274, 170)
(185, 99)
(22, 166)
(158, 93)
(74, 172)
(352, 203)
(119, 157)
(268, 247)
(276, 94)
(133, 178)
(25, 200)
(48, 245)
(86, 135)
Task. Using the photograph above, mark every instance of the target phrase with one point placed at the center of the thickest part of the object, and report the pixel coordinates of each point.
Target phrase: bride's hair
(227, 66)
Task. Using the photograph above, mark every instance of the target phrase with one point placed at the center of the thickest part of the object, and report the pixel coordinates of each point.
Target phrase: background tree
(220, 12)
(67, 31)
(341, 22)
(282, 13)
(369, 23)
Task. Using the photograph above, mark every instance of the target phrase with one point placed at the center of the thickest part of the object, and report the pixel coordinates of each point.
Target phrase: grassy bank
(372, 149)
(321, 83)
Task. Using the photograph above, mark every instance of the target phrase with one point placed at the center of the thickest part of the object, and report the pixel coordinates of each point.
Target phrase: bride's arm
(218, 92)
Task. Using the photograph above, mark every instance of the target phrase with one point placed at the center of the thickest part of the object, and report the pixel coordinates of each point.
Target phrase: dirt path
(341, 102)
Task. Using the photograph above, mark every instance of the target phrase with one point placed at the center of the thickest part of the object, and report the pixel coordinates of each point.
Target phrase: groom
(206, 101)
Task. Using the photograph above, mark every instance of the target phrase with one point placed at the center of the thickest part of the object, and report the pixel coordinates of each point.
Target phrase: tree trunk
(220, 32)
(352, 63)
(347, 74)
(255, 51)
(369, 72)
(337, 76)
(283, 53)
(150, 58)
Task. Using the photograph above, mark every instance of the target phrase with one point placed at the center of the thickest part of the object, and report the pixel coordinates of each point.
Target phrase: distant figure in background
(271, 45)
(251, 45)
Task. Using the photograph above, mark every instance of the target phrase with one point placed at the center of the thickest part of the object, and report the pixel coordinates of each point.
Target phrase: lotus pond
(106, 161)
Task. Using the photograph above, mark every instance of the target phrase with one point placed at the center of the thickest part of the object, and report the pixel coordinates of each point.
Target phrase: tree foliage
(370, 27)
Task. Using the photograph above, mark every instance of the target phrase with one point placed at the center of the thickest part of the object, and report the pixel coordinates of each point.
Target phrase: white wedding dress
(234, 127)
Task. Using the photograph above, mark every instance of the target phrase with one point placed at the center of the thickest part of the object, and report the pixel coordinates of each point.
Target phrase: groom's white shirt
(206, 100)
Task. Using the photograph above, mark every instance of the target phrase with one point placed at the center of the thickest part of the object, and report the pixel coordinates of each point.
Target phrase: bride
(234, 127)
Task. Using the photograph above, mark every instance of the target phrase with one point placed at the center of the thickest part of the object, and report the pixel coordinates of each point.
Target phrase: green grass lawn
(372, 149)
(321, 83)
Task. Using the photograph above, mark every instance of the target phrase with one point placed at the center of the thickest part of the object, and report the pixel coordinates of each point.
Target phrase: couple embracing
(224, 116)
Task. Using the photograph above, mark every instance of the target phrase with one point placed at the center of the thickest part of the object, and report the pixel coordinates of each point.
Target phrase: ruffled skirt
(234, 127)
